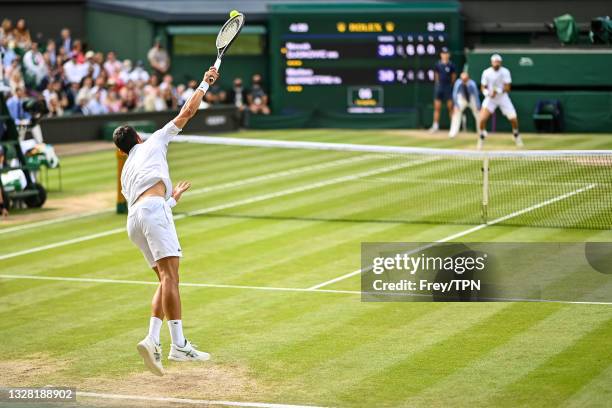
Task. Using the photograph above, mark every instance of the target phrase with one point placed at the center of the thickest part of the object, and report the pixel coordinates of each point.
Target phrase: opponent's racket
(226, 37)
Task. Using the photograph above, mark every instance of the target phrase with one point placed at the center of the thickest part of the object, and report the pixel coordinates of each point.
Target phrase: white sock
(176, 332)
(435, 125)
(155, 325)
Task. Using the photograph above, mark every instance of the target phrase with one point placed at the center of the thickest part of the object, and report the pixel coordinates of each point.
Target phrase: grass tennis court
(261, 260)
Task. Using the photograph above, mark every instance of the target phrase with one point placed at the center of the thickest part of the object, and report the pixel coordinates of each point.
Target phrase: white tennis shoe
(187, 353)
(519, 142)
(151, 354)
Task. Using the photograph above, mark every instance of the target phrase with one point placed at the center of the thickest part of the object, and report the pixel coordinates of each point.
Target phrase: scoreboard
(358, 58)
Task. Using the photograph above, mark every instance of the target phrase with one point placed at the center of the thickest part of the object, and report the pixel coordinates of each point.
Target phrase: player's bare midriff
(156, 190)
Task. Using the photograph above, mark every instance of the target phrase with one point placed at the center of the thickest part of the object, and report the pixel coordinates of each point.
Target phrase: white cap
(496, 57)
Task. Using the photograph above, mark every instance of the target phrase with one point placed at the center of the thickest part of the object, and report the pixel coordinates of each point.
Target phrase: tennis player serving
(146, 185)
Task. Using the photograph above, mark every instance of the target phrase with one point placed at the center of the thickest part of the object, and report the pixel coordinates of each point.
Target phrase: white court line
(189, 401)
(233, 204)
(273, 289)
(186, 284)
(467, 231)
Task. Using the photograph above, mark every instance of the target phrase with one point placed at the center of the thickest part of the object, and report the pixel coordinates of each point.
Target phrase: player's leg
(437, 106)
(456, 118)
(508, 110)
(167, 270)
(180, 349)
(475, 112)
(485, 114)
(157, 311)
(449, 107)
(148, 348)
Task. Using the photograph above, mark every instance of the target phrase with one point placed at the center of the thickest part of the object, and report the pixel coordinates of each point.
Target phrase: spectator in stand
(16, 81)
(21, 35)
(129, 99)
(6, 30)
(8, 53)
(35, 67)
(111, 64)
(169, 98)
(99, 88)
(98, 64)
(113, 103)
(93, 69)
(115, 78)
(257, 98)
(54, 106)
(189, 90)
(81, 105)
(215, 95)
(139, 75)
(58, 90)
(65, 41)
(237, 95)
(96, 105)
(72, 93)
(75, 71)
(153, 101)
(20, 115)
(158, 58)
(85, 91)
(77, 52)
(50, 55)
(126, 68)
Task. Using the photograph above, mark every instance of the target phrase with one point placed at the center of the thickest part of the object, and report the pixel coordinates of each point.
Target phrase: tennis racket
(225, 38)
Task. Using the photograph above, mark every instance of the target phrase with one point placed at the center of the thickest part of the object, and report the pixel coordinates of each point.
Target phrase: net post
(121, 203)
(485, 187)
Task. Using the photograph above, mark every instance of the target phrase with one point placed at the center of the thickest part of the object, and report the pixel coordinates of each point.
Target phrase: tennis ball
(234, 13)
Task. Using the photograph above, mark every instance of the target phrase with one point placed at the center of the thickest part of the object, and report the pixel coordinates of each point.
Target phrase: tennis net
(367, 183)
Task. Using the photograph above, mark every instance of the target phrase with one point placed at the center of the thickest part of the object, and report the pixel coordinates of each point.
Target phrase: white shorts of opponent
(151, 228)
(502, 102)
(461, 105)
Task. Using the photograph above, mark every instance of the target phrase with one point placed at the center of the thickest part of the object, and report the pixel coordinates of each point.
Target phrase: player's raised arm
(191, 107)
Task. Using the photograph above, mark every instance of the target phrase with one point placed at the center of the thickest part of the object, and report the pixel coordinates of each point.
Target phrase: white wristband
(485, 92)
(171, 202)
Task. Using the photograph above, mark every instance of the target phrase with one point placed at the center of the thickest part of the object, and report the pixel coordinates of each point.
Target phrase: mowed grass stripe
(596, 393)
(512, 360)
(405, 377)
(355, 375)
(556, 380)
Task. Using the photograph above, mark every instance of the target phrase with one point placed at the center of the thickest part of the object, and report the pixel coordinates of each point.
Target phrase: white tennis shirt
(146, 165)
(495, 80)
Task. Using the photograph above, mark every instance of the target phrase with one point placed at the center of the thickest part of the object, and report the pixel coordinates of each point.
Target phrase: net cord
(399, 150)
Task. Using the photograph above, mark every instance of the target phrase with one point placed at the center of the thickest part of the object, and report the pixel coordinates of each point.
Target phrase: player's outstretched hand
(211, 75)
(180, 188)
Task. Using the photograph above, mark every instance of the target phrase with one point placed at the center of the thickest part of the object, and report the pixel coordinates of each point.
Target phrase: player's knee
(168, 279)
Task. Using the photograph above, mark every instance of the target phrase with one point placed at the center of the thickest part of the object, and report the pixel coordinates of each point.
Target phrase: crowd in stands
(71, 79)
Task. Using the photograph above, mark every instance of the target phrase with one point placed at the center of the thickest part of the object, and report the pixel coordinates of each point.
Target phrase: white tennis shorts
(151, 228)
(502, 102)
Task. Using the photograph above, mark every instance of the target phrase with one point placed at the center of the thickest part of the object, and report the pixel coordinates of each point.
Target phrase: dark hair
(125, 137)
